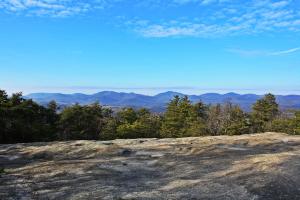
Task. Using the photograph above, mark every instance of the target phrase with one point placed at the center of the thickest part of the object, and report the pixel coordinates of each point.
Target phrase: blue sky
(150, 46)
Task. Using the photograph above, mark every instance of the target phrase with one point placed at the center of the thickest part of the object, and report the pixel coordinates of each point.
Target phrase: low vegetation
(24, 120)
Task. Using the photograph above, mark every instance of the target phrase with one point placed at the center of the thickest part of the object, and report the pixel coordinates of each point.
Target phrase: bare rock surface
(259, 166)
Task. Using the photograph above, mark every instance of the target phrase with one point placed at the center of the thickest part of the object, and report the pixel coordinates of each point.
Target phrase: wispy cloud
(227, 17)
(195, 18)
(244, 52)
(183, 29)
(54, 8)
(250, 53)
(285, 51)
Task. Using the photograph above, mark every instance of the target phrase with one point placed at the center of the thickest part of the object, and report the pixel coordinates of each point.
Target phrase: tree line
(23, 120)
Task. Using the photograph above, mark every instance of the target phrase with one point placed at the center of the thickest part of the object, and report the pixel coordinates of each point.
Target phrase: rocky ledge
(259, 166)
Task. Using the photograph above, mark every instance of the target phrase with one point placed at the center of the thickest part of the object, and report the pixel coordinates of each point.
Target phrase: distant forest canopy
(23, 120)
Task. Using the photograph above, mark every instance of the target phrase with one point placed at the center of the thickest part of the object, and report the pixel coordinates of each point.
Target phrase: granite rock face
(260, 166)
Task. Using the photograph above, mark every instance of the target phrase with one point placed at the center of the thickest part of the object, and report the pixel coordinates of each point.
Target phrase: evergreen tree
(109, 131)
(172, 120)
(264, 111)
(296, 123)
(4, 121)
(195, 120)
(23, 120)
(52, 106)
(146, 125)
(127, 115)
(3, 98)
(81, 122)
(183, 119)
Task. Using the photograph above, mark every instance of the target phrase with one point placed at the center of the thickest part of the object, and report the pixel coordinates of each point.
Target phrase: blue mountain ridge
(158, 102)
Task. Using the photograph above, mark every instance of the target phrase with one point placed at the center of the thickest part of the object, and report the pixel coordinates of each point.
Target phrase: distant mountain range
(158, 102)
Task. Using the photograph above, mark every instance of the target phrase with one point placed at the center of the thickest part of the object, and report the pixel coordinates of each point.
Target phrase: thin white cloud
(210, 18)
(248, 53)
(56, 8)
(227, 17)
(289, 51)
(201, 2)
(280, 4)
(252, 53)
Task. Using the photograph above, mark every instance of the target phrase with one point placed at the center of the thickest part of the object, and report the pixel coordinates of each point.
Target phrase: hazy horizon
(155, 91)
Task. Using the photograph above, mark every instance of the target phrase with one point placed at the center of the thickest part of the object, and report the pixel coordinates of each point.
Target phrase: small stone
(126, 152)
(107, 143)
(157, 155)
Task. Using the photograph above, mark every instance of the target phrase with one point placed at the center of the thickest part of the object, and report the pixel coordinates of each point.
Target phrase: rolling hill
(159, 101)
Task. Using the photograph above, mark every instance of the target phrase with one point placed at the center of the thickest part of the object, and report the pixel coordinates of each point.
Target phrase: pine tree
(264, 111)
(183, 119)
(172, 121)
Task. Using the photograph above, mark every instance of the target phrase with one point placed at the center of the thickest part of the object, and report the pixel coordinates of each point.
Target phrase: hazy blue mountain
(159, 101)
(165, 97)
(121, 99)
